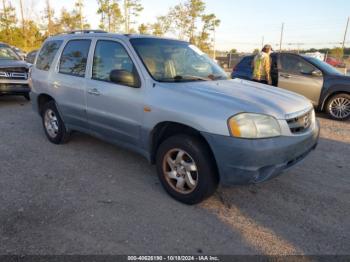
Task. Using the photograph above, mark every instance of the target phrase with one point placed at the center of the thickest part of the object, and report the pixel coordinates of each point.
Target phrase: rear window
(246, 63)
(47, 54)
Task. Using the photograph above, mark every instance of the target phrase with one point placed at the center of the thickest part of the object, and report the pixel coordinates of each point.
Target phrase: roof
(100, 33)
(4, 44)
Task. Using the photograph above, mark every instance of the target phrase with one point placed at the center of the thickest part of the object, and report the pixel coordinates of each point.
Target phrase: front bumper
(243, 161)
(14, 88)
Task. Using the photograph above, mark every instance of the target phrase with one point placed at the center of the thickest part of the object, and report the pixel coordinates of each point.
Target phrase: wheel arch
(42, 100)
(330, 95)
(167, 129)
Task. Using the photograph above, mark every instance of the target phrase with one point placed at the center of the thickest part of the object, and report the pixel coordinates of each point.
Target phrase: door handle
(286, 75)
(94, 91)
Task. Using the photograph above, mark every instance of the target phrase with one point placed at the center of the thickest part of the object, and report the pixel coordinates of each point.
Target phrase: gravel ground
(89, 197)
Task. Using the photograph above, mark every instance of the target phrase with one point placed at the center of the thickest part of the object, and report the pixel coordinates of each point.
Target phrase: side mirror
(123, 77)
(316, 73)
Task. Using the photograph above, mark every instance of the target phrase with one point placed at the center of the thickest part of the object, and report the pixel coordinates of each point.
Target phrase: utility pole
(214, 44)
(5, 15)
(346, 32)
(262, 42)
(281, 37)
(49, 18)
(126, 14)
(80, 8)
(23, 24)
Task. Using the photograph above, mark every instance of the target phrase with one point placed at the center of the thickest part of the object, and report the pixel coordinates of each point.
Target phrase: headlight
(248, 125)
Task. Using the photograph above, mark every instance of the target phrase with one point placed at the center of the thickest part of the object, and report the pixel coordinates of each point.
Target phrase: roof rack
(88, 31)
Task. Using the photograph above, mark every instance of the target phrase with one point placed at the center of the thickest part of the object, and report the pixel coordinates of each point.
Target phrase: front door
(114, 110)
(297, 75)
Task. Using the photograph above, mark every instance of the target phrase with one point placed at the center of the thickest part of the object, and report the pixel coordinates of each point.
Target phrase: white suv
(168, 101)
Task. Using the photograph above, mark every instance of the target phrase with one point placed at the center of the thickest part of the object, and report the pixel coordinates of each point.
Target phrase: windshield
(324, 66)
(7, 53)
(176, 61)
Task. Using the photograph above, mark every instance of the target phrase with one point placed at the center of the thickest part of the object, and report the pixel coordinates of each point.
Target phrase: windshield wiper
(190, 78)
(180, 78)
(216, 77)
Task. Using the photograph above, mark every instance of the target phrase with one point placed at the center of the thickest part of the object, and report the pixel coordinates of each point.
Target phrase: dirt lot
(89, 197)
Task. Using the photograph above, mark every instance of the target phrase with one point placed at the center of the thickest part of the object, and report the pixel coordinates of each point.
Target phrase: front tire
(53, 124)
(338, 107)
(186, 169)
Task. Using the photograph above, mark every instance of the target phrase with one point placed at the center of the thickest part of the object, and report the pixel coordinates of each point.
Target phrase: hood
(244, 96)
(13, 63)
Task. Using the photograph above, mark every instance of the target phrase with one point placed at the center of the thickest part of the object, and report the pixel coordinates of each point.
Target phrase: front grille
(301, 123)
(14, 73)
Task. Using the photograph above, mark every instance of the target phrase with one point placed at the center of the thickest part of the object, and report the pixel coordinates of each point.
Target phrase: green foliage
(143, 29)
(73, 20)
(111, 15)
(161, 26)
(187, 19)
(132, 9)
(337, 52)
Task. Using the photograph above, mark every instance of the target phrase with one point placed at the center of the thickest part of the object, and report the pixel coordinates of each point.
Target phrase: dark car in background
(325, 86)
(30, 58)
(19, 52)
(13, 73)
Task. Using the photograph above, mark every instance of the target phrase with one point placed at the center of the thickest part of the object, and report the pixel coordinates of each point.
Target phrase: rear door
(69, 83)
(296, 75)
(46, 57)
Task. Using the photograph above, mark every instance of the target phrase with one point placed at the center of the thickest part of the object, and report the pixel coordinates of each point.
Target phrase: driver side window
(111, 56)
(295, 65)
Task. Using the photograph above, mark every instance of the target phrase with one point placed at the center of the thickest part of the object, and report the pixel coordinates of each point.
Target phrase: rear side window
(74, 57)
(296, 65)
(47, 54)
(246, 63)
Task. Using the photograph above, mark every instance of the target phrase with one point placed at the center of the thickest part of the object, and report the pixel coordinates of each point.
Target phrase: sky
(246, 23)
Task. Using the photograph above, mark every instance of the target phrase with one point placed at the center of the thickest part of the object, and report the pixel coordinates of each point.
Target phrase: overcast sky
(310, 23)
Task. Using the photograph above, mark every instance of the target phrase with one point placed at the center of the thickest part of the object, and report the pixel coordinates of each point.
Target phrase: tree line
(187, 20)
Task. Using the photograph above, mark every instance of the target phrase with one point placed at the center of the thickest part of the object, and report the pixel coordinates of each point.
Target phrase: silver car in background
(169, 102)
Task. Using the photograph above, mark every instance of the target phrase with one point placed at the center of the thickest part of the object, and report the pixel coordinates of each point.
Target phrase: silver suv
(168, 101)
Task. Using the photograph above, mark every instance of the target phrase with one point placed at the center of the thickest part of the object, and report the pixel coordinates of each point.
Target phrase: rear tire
(338, 107)
(186, 169)
(53, 124)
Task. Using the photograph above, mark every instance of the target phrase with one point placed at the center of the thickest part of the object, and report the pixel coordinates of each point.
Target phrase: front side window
(176, 61)
(74, 57)
(6, 53)
(110, 57)
(295, 65)
(47, 54)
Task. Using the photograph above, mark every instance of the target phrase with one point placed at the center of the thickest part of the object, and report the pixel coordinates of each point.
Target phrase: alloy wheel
(51, 123)
(339, 107)
(180, 171)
